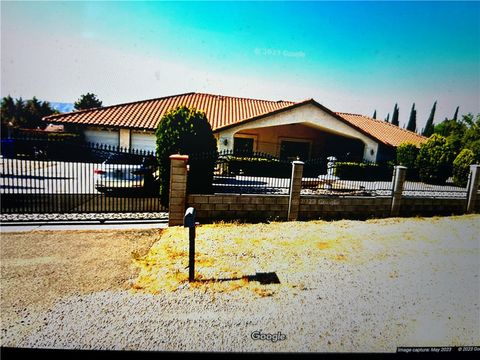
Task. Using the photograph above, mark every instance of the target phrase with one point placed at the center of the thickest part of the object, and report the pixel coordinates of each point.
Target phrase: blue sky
(349, 56)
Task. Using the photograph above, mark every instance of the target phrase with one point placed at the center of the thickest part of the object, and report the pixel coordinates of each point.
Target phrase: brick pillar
(295, 188)
(472, 188)
(398, 180)
(178, 189)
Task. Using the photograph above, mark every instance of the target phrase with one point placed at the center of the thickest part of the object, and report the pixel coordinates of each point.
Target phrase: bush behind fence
(246, 172)
(363, 171)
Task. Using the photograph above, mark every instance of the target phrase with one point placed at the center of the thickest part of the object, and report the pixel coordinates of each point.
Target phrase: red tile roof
(222, 111)
(385, 132)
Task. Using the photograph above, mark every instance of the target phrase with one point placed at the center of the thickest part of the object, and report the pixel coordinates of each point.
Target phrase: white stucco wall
(307, 114)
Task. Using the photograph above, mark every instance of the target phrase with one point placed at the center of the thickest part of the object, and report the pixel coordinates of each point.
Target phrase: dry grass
(291, 249)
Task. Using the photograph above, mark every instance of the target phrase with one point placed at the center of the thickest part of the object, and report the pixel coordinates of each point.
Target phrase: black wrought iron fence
(324, 177)
(244, 172)
(329, 176)
(417, 188)
(62, 177)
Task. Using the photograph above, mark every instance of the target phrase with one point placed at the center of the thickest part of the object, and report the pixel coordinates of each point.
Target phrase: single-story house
(285, 129)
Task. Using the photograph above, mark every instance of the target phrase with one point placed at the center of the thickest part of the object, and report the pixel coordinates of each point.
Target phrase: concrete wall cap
(179, 157)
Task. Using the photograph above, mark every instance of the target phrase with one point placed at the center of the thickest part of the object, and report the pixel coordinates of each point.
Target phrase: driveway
(32, 186)
(47, 177)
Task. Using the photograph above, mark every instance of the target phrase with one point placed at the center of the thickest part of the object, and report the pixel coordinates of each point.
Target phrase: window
(243, 146)
(293, 150)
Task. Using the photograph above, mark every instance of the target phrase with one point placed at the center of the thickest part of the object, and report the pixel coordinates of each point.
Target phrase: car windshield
(130, 159)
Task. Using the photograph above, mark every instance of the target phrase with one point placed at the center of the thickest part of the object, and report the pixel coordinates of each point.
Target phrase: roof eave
(261, 116)
(45, 118)
(302, 103)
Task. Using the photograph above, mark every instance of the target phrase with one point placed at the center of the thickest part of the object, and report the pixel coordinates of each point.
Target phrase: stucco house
(286, 129)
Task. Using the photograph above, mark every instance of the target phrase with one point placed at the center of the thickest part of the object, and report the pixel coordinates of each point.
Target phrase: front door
(243, 146)
(293, 150)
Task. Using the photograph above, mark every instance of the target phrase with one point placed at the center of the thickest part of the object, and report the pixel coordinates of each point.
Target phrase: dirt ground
(40, 267)
(385, 282)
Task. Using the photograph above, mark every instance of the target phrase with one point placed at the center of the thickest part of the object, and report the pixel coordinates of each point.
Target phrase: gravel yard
(345, 286)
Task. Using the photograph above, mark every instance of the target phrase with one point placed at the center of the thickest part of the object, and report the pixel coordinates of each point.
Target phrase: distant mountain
(62, 107)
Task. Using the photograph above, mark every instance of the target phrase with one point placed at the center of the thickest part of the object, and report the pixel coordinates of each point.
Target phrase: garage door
(104, 137)
(143, 141)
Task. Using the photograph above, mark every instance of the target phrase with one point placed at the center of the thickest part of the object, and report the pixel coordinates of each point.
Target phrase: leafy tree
(7, 114)
(434, 160)
(186, 131)
(461, 134)
(412, 122)
(461, 167)
(456, 113)
(472, 133)
(388, 117)
(374, 114)
(20, 114)
(87, 101)
(395, 115)
(453, 131)
(35, 110)
(428, 130)
(8, 110)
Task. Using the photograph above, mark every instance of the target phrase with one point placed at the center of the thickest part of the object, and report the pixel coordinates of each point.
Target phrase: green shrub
(434, 160)
(186, 131)
(46, 135)
(63, 136)
(406, 156)
(258, 166)
(461, 167)
(475, 147)
(363, 171)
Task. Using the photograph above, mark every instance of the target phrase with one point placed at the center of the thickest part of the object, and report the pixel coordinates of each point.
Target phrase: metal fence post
(295, 189)
(398, 181)
(472, 188)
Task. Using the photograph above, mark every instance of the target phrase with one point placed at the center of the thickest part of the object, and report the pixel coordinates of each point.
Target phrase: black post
(189, 221)
(191, 254)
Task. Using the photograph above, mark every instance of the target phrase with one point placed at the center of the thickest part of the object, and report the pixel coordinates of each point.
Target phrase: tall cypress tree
(395, 116)
(456, 113)
(428, 130)
(412, 122)
(374, 114)
(388, 117)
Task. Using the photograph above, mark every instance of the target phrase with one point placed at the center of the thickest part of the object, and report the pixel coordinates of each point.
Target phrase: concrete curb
(82, 225)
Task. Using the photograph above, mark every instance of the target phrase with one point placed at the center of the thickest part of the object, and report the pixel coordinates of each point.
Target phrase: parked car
(125, 174)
